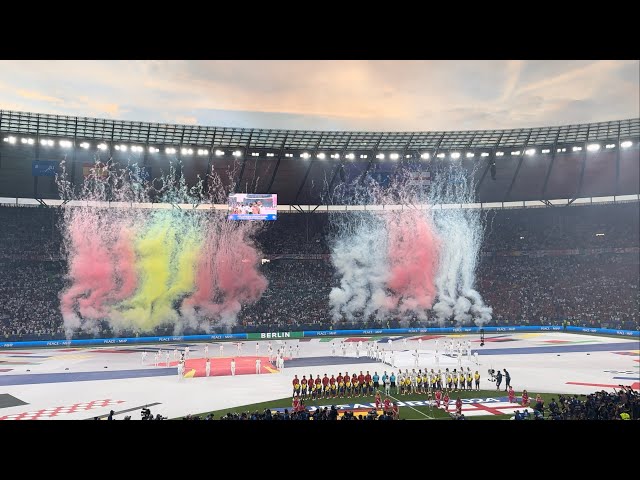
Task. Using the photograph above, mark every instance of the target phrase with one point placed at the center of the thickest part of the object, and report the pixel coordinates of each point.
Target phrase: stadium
(125, 286)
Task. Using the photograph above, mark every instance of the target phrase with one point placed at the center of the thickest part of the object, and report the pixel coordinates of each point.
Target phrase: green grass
(408, 413)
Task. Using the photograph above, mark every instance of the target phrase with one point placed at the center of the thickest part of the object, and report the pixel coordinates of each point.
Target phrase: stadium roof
(80, 128)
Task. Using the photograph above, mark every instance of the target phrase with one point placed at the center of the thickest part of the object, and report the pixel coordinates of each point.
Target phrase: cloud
(345, 94)
(186, 120)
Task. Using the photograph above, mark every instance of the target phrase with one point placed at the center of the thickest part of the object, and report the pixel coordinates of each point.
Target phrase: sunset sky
(329, 95)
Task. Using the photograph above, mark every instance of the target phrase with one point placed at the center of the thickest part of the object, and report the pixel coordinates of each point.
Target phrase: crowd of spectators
(547, 282)
(623, 404)
(324, 413)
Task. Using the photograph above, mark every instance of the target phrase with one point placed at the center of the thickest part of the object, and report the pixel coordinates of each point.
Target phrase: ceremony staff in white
(389, 343)
(239, 345)
(333, 348)
(167, 356)
(475, 354)
(257, 348)
(155, 359)
(404, 342)
(206, 349)
(417, 358)
(298, 350)
(258, 365)
(144, 357)
(175, 353)
(207, 367)
(180, 370)
(186, 352)
(393, 358)
(233, 366)
(221, 349)
(419, 343)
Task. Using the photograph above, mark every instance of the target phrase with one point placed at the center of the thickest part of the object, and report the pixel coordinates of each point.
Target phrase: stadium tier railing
(310, 334)
(32, 202)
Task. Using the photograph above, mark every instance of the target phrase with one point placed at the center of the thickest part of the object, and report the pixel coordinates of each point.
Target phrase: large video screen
(253, 206)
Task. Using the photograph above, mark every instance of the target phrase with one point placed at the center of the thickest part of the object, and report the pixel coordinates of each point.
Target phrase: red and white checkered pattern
(54, 412)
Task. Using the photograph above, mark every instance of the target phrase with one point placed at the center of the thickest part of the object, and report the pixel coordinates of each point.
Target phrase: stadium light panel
(599, 234)
(363, 156)
(270, 154)
(336, 156)
(305, 155)
(183, 151)
(610, 145)
(350, 156)
(517, 152)
(521, 238)
(84, 145)
(594, 147)
(407, 156)
(321, 156)
(425, 156)
(440, 155)
(484, 154)
(102, 146)
(118, 147)
(30, 141)
(23, 140)
(577, 149)
(499, 154)
(380, 156)
(253, 154)
(626, 144)
(455, 155)
(394, 156)
(288, 155)
(203, 151)
(170, 150)
(153, 150)
(530, 151)
(470, 155)
(219, 153)
(11, 140)
(237, 153)
(65, 144)
(546, 150)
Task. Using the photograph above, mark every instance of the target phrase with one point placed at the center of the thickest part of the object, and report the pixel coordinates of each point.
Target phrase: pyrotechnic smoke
(358, 256)
(395, 264)
(136, 270)
(462, 232)
(413, 259)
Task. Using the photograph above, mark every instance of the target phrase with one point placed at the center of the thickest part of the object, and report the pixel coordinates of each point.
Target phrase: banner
(274, 335)
(44, 168)
(313, 333)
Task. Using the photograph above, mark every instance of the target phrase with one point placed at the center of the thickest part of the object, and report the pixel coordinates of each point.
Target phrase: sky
(330, 94)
